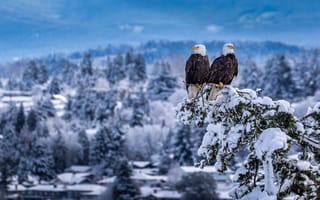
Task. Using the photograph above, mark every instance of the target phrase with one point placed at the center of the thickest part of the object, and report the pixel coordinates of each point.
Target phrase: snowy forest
(108, 106)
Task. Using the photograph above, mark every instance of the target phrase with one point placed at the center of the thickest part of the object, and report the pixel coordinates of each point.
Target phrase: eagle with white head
(197, 68)
(223, 70)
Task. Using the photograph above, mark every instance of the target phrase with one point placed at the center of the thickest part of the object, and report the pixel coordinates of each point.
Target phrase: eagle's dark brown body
(197, 68)
(223, 69)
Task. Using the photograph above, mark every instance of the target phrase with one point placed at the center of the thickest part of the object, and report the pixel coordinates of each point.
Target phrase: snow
(159, 193)
(91, 132)
(16, 187)
(60, 97)
(270, 140)
(91, 188)
(303, 165)
(78, 169)
(73, 178)
(214, 133)
(139, 175)
(141, 164)
(167, 194)
(107, 180)
(256, 194)
(192, 169)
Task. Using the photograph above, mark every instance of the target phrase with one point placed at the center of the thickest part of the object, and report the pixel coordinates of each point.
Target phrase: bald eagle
(222, 70)
(197, 68)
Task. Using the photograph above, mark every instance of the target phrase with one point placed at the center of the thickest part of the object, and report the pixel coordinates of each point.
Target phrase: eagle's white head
(227, 48)
(199, 49)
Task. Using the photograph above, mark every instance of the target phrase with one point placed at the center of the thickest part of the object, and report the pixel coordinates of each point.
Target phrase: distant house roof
(167, 194)
(159, 193)
(141, 164)
(74, 178)
(93, 189)
(16, 188)
(107, 180)
(206, 169)
(78, 169)
(139, 175)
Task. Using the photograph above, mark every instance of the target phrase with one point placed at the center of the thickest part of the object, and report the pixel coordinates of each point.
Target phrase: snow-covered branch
(242, 120)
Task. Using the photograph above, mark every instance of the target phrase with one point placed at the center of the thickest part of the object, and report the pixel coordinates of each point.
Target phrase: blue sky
(33, 27)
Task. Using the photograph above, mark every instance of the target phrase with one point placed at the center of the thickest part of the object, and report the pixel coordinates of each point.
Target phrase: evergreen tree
(140, 107)
(115, 71)
(30, 76)
(54, 87)
(86, 65)
(129, 58)
(315, 70)
(25, 149)
(43, 75)
(166, 154)
(32, 120)
(85, 144)
(124, 188)
(9, 141)
(5, 174)
(20, 120)
(59, 151)
(12, 84)
(42, 160)
(45, 109)
(162, 86)
(279, 75)
(137, 70)
(182, 146)
(68, 74)
(106, 150)
(251, 76)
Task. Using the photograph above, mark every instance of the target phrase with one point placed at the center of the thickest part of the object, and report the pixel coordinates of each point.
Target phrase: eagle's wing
(236, 66)
(188, 68)
(215, 69)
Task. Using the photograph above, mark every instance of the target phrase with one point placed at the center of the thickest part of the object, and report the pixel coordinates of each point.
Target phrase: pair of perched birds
(220, 73)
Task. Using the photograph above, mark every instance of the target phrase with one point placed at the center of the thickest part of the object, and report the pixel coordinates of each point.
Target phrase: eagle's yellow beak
(195, 48)
(231, 47)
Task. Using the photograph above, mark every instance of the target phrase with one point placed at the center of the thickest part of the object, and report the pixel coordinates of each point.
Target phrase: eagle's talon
(221, 84)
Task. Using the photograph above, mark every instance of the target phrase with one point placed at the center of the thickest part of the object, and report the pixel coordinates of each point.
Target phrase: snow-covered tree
(85, 147)
(280, 83)
(241, 119)
(54, 87)
(164, 84)
(106, 150)
(12, 84)
(45, 109)
(42, 165)
(59, 151)
(124, 187)
(32, 120)
(86, 65)
(137, 69)
(21, 118)
(182, 146)
(43, 74)
(115, 71)
(251, 76)
(30, 76)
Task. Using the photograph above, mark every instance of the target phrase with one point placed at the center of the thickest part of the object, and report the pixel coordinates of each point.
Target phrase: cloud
(133, 28)
(214, 28)
(31, 10)
(249, 20)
